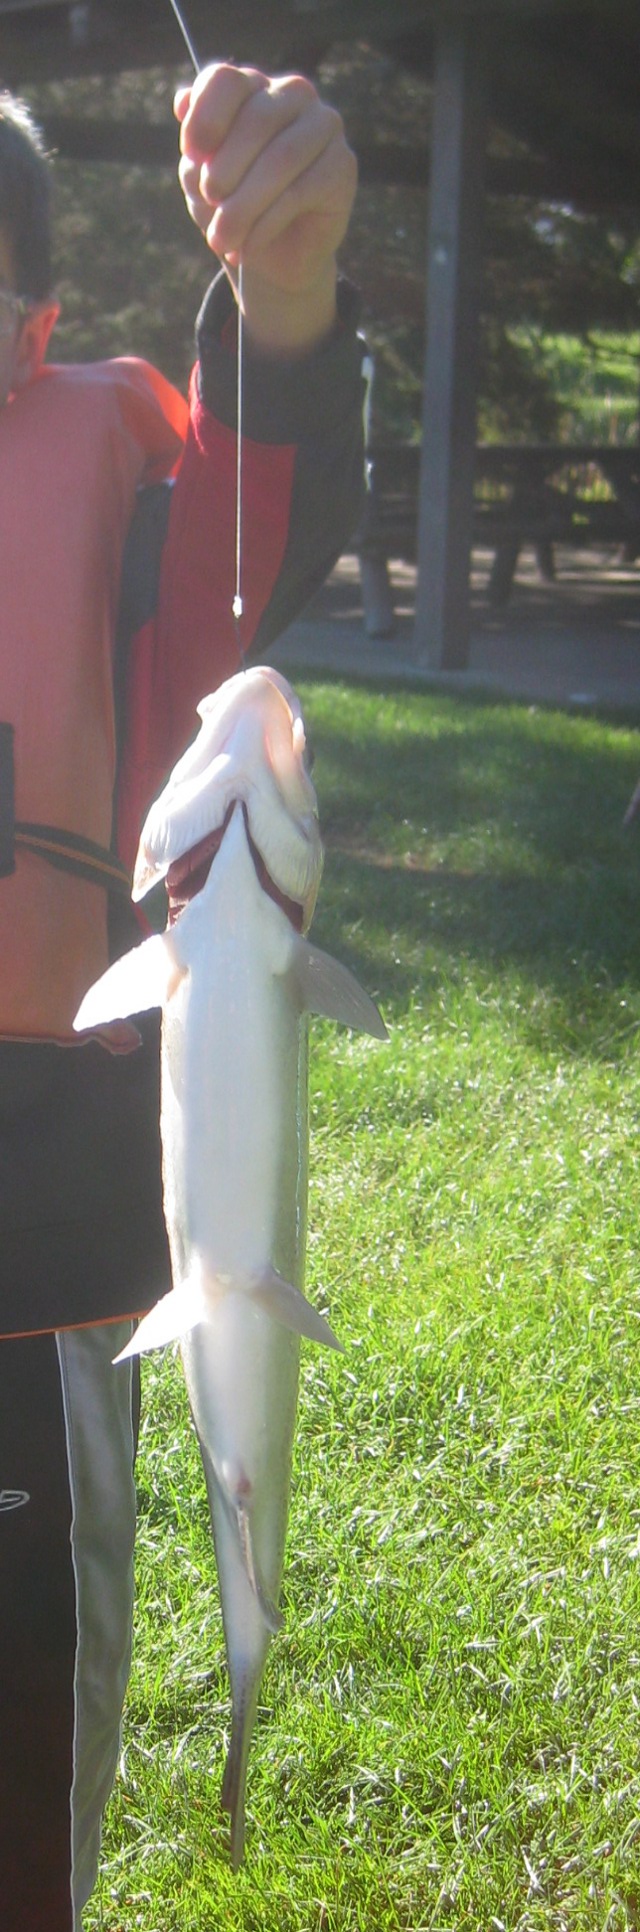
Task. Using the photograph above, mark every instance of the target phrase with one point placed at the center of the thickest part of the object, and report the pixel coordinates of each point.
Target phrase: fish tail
(232, 1796)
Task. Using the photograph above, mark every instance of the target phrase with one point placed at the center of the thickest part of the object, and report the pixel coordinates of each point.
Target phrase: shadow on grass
(489, 837)
(563, 782)
(558, 942)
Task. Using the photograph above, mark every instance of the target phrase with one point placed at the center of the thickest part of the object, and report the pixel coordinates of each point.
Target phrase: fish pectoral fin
(280, 1299)
(171, 1318)
(143, 978)
(326, 987)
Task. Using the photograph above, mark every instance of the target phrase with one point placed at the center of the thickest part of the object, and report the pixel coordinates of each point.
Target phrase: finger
(319, 202)
(290, 103)
(189, 178)
(216, 97)
(181, 101)
(286, 161)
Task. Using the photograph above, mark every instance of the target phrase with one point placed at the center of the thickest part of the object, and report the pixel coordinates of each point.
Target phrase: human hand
(267, 175)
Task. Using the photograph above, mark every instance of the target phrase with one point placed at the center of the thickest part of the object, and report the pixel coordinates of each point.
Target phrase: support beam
(454, 262)
(590, 188)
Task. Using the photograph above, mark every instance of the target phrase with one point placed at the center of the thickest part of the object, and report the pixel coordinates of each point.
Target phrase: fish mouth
(187, 875)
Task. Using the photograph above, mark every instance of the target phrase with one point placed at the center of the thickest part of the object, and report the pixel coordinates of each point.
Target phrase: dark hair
(25, 198)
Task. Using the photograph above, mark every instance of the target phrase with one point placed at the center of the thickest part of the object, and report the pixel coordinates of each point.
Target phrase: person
(117, 549)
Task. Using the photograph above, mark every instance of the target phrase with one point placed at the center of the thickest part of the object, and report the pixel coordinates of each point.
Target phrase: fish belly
(234, 1130)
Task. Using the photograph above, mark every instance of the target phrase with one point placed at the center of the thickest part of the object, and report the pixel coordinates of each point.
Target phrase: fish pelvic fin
(285, 1303)
(188, 1304)
(142, 978)
(235, 1496)
(272, 1616)
(171, 1318)
(326, 987)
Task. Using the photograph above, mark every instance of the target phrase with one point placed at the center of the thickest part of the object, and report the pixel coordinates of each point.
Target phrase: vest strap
(7, 815)
(69, 850)
(73, 853)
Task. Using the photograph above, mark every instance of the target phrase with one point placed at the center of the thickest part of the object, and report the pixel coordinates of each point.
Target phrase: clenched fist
(268, 176)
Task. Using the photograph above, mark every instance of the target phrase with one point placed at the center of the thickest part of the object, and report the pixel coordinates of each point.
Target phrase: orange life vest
(74, 446)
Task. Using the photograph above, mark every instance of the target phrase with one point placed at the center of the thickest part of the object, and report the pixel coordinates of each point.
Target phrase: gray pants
(67, 1526)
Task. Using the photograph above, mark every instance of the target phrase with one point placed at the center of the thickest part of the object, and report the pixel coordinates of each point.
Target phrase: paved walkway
(575, 642)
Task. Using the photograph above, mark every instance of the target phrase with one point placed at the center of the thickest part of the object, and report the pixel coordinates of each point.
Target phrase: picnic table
(535, 494)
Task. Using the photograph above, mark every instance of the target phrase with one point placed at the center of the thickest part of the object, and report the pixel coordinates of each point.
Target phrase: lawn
(449, 1733)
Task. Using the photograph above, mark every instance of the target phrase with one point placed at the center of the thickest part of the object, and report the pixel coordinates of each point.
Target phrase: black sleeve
(314, 403)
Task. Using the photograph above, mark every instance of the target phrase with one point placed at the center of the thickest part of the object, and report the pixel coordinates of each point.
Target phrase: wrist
(286, 400)
(288, 323)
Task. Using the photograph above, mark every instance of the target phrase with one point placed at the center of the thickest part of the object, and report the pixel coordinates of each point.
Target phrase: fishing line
(186, 35)
(237, 606)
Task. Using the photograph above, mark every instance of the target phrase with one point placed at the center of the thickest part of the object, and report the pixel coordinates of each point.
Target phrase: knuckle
(188, 175)
(334, 123)
(216, 98)
(344, 167)
(208, 187)
(212, 98)
(227, 230)
(213, 76)
(212, 181)
(296, 89)
(351, 167)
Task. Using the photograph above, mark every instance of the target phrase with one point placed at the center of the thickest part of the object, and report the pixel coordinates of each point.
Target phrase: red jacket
(74, 447)
(80, 1194)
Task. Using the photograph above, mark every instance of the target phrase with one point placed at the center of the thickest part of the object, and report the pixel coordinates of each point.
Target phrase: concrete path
(575, 642)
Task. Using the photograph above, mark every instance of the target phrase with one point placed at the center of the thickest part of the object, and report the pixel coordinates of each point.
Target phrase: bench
(539, 495)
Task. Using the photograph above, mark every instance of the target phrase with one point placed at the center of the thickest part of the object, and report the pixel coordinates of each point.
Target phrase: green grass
(449, 1733)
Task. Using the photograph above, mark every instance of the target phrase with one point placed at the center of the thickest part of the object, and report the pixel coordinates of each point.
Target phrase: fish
(235, 836)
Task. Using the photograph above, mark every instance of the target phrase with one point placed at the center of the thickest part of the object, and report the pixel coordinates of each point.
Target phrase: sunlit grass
(449, 1732)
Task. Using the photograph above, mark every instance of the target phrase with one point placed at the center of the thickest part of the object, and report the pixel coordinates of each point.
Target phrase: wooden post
(454, 262)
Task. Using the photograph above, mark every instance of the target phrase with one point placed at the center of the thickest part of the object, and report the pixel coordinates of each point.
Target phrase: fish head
(251, 749)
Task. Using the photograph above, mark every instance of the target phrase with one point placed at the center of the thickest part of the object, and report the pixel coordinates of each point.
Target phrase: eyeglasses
(13, 309)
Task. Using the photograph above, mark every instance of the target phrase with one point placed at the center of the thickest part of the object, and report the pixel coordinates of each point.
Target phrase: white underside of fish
(235, 982)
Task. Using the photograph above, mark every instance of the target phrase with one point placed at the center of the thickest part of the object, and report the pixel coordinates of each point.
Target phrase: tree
(131, 270)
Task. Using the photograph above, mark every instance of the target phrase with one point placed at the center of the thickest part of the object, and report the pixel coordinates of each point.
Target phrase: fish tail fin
(246, 1685)
(234, 1779)
(326, 987)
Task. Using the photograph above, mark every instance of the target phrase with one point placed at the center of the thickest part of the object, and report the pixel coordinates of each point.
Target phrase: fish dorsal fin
(143, 978)
(280, 1299)
(325, 986)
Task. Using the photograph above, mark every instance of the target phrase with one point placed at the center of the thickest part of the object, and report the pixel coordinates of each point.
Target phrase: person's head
(27, 308)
